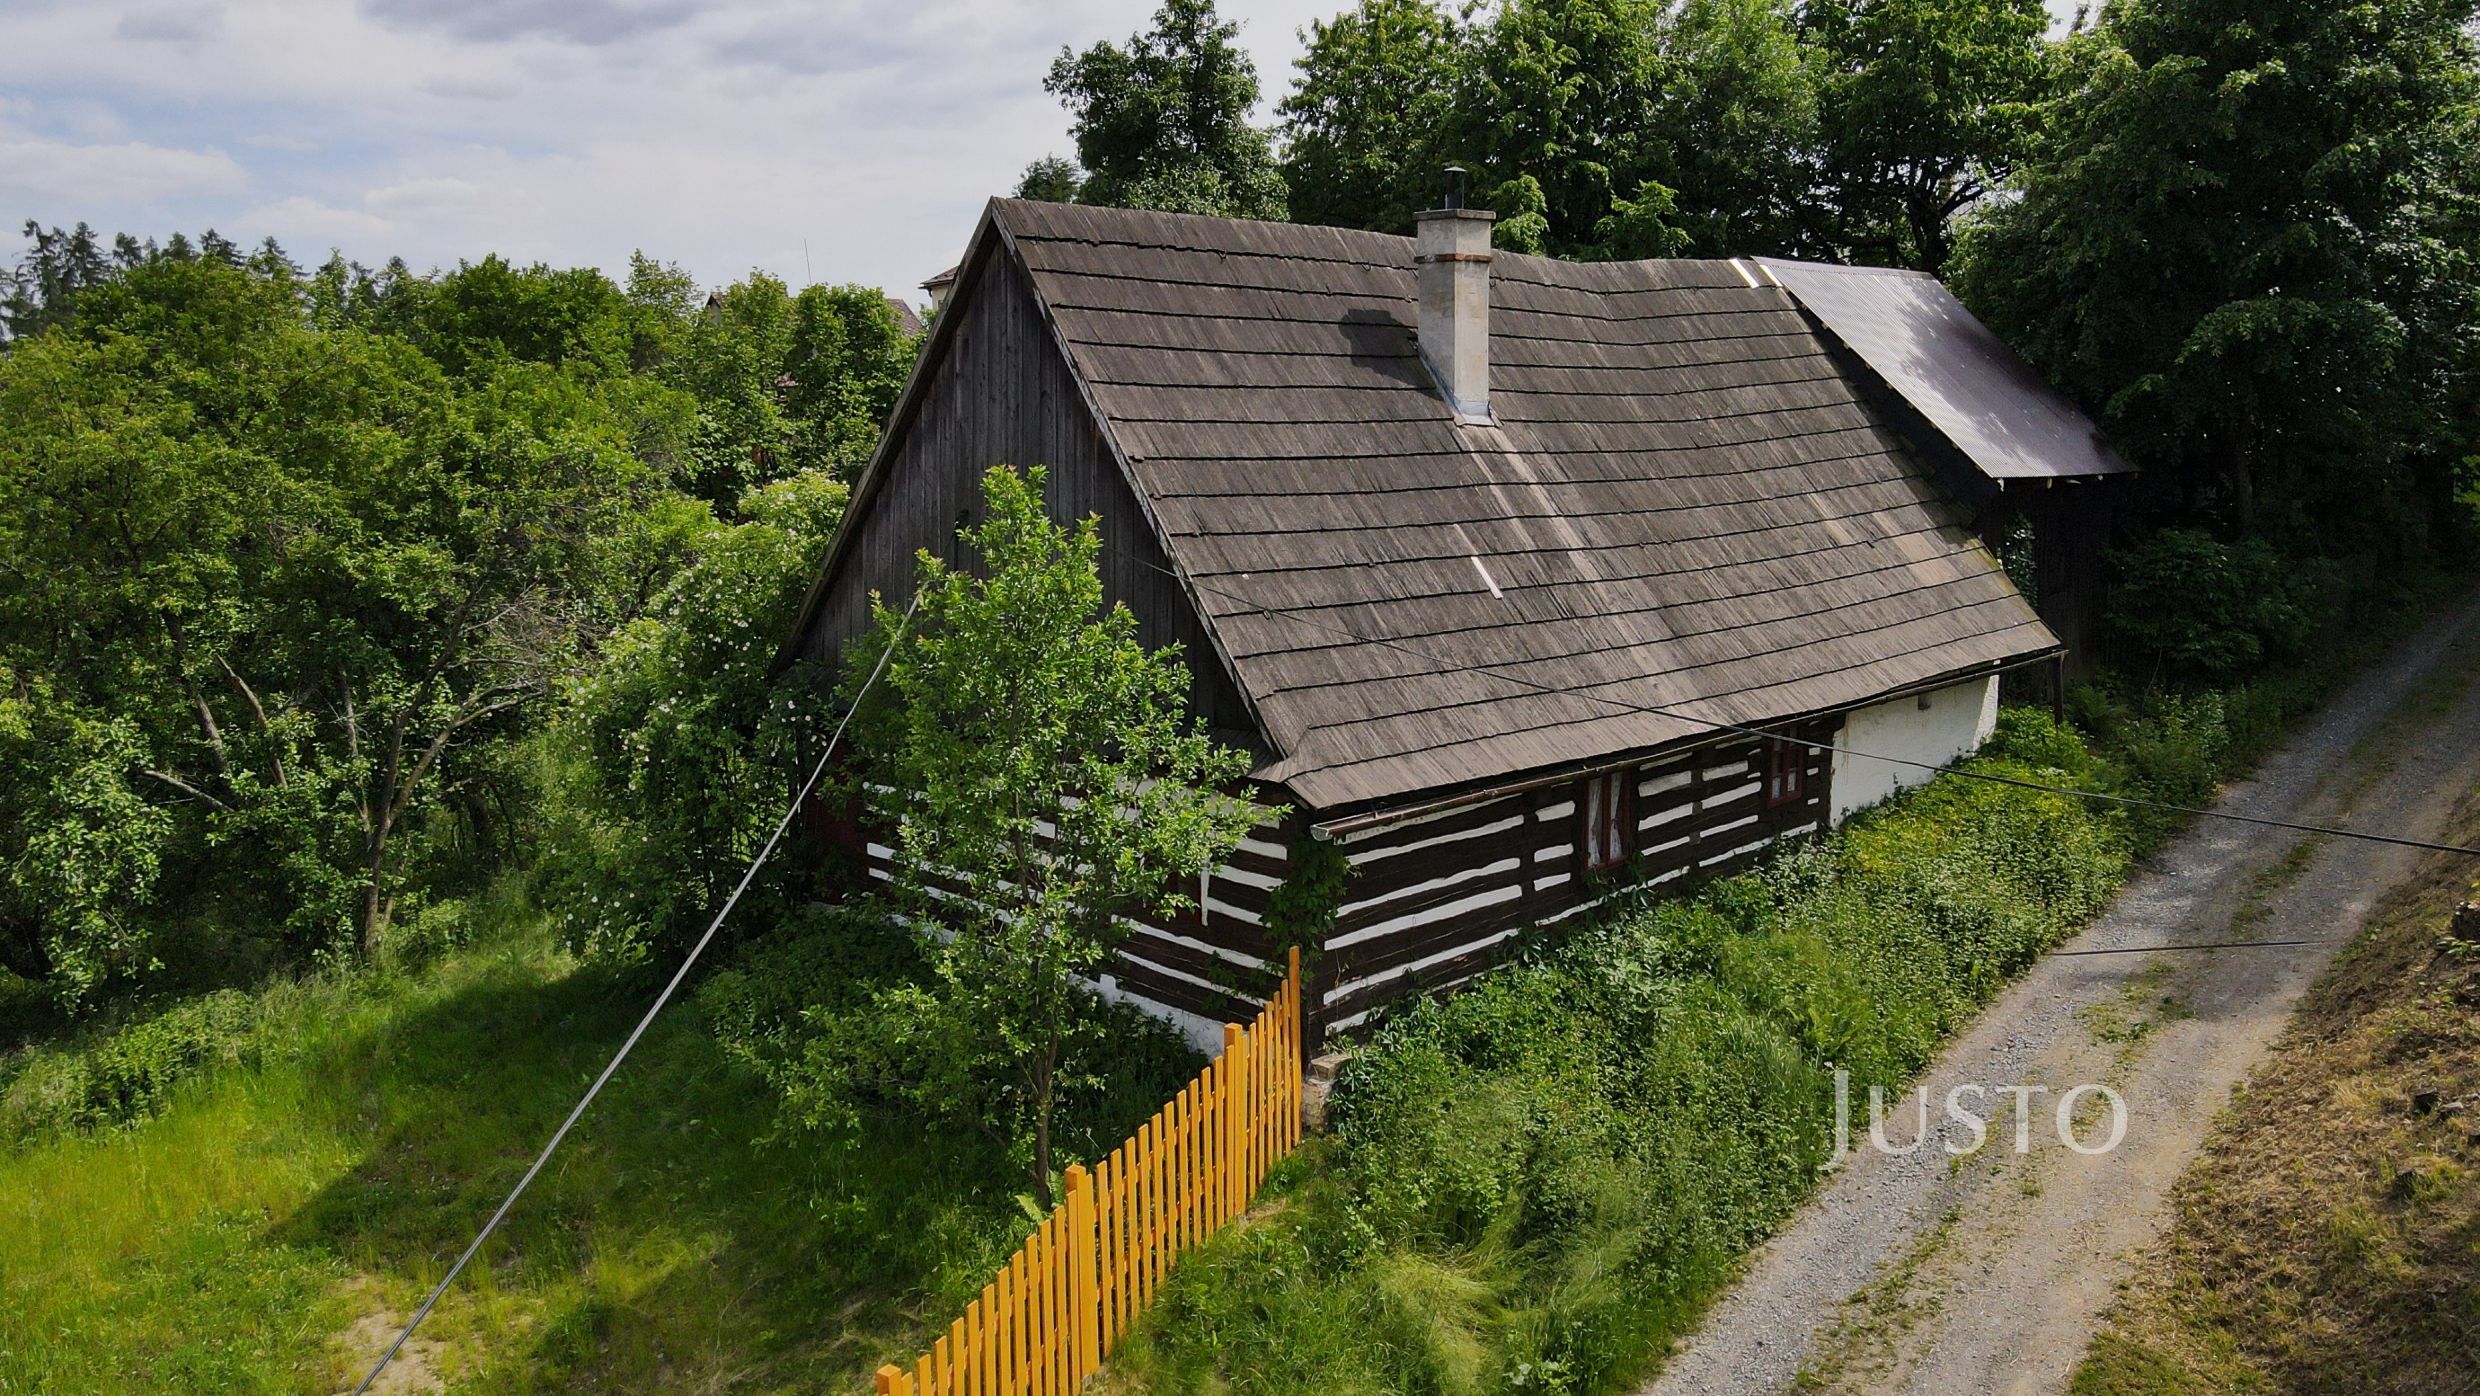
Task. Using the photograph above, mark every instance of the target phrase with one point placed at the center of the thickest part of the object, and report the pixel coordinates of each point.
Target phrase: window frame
(1605, 820)
(1786, 772)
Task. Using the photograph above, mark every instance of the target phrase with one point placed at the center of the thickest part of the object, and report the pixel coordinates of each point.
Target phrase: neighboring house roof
(907, 318)
(1683, 501)
(1977, 393)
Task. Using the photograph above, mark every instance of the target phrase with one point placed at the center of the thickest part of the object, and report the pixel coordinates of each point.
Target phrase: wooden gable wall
(1002, 393)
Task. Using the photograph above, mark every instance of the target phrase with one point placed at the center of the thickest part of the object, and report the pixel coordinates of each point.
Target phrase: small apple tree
(1045, 781)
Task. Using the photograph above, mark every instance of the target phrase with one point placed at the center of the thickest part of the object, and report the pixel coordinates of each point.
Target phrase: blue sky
(831, 140)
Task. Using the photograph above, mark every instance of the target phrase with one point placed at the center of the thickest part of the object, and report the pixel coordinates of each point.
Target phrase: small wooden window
(1786, 772)
(1602, 810)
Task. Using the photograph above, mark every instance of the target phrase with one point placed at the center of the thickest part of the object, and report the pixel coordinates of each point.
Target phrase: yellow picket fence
(1065, 1300)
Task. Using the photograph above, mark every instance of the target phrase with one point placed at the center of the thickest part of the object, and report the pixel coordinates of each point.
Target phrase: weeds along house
(1473, 550)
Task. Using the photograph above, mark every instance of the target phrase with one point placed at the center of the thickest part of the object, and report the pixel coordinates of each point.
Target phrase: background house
(1523, 579)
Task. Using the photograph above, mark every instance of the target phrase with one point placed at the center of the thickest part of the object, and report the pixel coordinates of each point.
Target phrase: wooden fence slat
(1172, 1194)
(1104, 1252)
(1037, 1334)
(1014, 1359)
(1206, 1136)
(1145, 1210)
(1054, 1313)
(969, 1366)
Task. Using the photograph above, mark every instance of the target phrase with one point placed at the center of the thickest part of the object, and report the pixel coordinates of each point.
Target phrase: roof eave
(1344, 815)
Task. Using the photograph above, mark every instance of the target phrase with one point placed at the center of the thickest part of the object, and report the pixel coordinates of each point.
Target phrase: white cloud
(171, 24)
(479, 87)
(577, 21)
(570, 131)
(414, 198)
(36, 173)
(304, 223)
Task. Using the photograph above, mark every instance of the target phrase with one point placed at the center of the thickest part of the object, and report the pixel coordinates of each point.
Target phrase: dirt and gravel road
(1950, 1269)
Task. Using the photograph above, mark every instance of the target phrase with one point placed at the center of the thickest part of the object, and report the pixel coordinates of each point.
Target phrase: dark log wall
(1212, 964)
(1002, 395)
(1432, 902)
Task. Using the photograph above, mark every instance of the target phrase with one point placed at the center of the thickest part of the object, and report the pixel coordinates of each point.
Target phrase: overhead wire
(1669, 710)
(782, 826)
(1674, 712)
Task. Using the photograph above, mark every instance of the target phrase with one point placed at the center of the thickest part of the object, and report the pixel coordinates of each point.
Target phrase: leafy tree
(81, 845)
(1164, 122)
(1596, 128)
(786, 384)
(2200, 610)
(288, 582)
(1053, 179)
(493, 311)
(1734, 131)
(1926, 104)
(848, 360)
(1365, 124)
(1562, 93)
(670, 756)
(1044, 780)
(2242, 237)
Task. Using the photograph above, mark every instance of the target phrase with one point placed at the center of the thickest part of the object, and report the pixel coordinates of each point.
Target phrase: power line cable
(2199, 945)
(782, 826)
(1717, 724)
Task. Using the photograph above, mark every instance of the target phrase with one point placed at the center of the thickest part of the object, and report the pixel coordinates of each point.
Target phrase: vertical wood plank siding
(1004, 396)
(1433, 902)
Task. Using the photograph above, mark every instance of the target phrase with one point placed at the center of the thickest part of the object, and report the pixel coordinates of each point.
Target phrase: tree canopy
(289, 563)
(2245, 239)
(1596, 128)
(1162, 121)
(1923, 108)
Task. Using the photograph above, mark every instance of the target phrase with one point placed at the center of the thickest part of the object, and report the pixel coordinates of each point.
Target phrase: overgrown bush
(815, 1006)
(1532, 1184)
(2198, 610)
(121, 1076)
(667, 765)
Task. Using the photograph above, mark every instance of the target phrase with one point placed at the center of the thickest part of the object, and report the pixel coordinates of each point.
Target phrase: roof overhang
(1960, 382)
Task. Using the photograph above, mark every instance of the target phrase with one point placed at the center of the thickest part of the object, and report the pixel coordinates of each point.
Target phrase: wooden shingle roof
(1683, 502)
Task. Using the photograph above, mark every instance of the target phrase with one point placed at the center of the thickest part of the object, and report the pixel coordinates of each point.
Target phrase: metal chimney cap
(1455, 187)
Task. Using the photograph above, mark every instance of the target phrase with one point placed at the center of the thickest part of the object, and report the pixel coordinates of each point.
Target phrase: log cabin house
(1524, 580)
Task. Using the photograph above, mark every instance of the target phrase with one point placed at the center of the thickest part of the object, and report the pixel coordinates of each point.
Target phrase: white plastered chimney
(1452, 256)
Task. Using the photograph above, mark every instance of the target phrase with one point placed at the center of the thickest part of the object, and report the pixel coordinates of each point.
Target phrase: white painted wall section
(1935, 727)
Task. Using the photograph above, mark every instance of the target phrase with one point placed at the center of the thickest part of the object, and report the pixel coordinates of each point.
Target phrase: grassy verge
(2328, 1239)
(1532, 1186)
(1535, 1186)
(288, 1171)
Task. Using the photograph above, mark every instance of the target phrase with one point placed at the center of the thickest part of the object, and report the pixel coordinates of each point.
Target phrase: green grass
(1534, 1185)
(2328, 1237)
(273, 1201)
